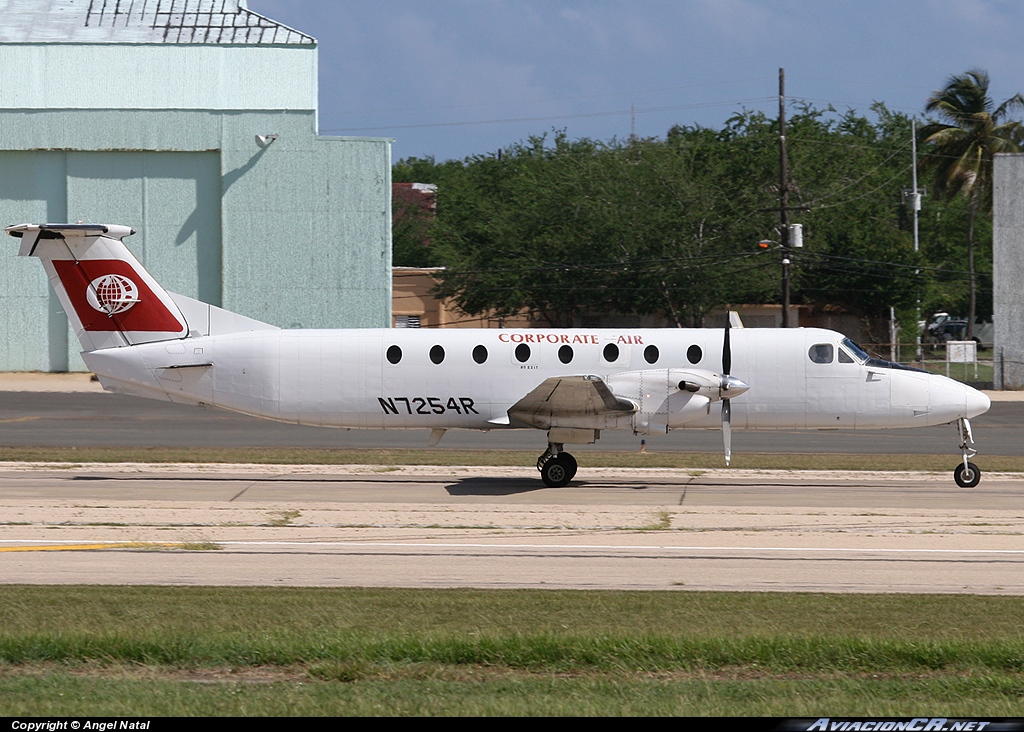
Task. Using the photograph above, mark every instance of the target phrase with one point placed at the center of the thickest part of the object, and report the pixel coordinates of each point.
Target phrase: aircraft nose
(977, 402)
(732, 387)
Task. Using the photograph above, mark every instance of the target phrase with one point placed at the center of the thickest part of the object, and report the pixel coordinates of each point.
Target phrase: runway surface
(489, 527)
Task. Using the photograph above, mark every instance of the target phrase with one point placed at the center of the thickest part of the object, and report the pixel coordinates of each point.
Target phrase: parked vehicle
(944, 327)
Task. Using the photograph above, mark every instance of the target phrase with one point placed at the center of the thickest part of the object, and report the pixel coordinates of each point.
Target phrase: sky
(450, 79)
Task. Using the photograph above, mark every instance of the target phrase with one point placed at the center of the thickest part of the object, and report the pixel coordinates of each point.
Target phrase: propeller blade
(726, 350)
(727, 430)
(726, 383)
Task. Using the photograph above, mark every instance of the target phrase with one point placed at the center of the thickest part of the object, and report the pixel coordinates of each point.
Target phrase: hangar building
(1008, 270)
(195, 123)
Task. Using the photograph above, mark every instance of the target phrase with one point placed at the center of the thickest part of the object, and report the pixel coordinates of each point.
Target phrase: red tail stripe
(146, 315)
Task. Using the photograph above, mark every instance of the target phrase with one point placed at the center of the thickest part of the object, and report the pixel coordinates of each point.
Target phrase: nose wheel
(966, 474)
(556, 468)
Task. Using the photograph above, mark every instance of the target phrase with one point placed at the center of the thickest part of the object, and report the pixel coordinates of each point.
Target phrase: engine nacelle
(670, 398)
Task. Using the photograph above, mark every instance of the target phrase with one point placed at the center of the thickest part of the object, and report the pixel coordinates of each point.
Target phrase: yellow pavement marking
(18, 419)
(87, 547)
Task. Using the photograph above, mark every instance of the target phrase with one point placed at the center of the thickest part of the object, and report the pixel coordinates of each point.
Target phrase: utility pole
(914, 200)
(791, 235)
(784, 198)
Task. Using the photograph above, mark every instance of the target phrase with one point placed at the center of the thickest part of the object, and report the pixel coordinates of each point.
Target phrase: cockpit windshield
(856, 351)
(866, 359)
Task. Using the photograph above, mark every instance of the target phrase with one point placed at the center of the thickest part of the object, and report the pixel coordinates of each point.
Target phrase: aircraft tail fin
(110, 299)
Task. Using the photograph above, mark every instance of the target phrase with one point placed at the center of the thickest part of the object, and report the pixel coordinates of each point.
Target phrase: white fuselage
(344, 378)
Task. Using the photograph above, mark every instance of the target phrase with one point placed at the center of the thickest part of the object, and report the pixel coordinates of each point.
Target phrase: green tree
(959, 150)
(529, 230)
(849, 171)
(412, 212)
(570, 229)
(574, 228)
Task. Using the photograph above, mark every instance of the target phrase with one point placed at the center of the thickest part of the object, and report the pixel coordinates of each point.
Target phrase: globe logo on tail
(112, 294)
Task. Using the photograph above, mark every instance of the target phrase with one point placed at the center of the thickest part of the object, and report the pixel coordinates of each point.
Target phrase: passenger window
(565, 354)
(522, 353)
(694, 354)
(845, 357)
(480, 354)
(394, 354)
(611, 353)
(437, 354)
(651, 354)
(821, 353)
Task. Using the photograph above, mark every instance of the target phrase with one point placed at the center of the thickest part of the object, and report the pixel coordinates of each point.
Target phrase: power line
(632, 93)
(549, 118)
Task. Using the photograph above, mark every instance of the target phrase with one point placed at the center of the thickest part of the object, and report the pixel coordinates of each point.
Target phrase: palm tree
(959, 150)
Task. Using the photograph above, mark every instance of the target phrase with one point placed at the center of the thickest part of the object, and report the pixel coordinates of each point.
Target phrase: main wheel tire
(570, 464)
(967, 477)
(556, 472)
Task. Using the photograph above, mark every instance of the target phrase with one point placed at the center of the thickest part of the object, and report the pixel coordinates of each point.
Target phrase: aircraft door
(833, 385)
(773, 363)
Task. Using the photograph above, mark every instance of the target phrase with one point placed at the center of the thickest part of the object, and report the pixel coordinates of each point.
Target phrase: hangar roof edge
(216, 22)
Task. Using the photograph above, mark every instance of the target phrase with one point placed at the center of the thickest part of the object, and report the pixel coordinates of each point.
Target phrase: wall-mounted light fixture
(265, 140)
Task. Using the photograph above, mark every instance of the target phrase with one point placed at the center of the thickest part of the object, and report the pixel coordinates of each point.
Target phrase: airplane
(140, 339)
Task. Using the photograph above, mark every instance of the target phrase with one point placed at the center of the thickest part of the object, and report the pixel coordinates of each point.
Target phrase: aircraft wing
(572, 401)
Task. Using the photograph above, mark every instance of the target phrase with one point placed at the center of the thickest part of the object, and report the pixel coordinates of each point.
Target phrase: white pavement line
(605, 547)
(471, 545)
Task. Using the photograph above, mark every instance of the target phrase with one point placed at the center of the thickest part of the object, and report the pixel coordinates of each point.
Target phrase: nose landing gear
(966, 474)
(556, 468)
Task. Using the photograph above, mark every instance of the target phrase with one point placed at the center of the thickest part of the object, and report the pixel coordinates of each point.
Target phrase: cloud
(580, 64)
(973, 12)
(455, 65)
(736, 19)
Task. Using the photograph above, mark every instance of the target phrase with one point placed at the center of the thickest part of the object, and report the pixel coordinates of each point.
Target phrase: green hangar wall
(198, 130)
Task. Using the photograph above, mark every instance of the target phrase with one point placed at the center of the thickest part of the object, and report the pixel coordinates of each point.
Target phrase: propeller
(726, 407)
(729, 387)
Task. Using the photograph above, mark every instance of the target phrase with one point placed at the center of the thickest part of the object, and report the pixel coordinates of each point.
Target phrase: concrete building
(195, 123)
(414, 305)
(1008, 271)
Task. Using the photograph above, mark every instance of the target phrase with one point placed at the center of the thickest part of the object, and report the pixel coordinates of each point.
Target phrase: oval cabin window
(821, 353)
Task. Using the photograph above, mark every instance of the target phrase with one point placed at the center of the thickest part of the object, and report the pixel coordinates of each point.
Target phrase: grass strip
(526, 629)
(521, 458)
(422, 693)
(309, 651)
(563, 653)
(137, 611)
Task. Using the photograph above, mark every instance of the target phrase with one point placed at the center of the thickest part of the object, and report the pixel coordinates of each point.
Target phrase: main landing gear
(556, 468)
(966, 474)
